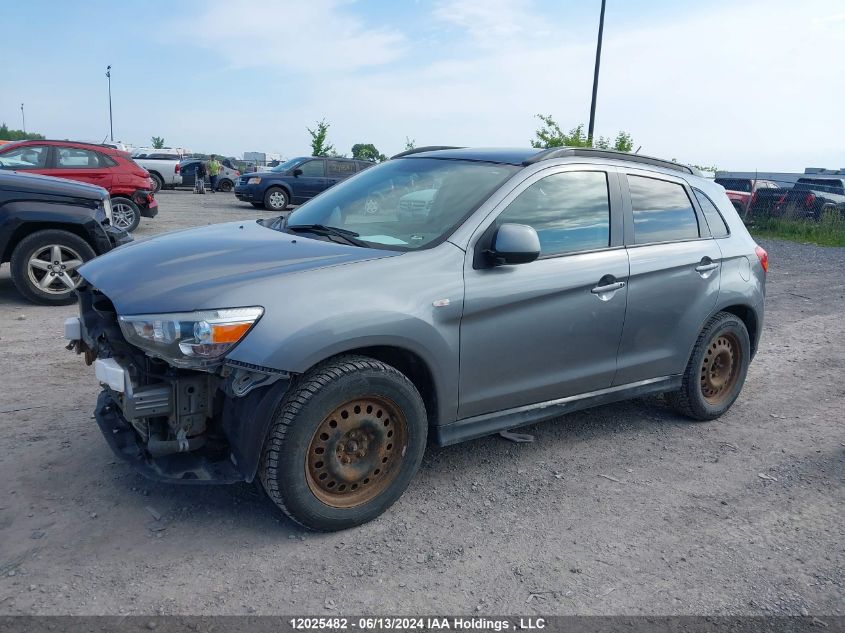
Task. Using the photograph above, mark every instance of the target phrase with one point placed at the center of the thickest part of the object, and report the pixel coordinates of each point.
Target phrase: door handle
(598, 290)
(703, 268)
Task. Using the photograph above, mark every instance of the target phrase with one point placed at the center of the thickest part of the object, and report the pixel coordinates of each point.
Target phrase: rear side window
(73, 158)
(662, 211)
(340, 168)
(570, 212)
(718, 227)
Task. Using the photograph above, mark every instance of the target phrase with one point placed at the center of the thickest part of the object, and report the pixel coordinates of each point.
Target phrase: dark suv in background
(49, 227)
(295, 181)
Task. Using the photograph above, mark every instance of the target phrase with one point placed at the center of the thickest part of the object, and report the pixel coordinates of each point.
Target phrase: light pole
(596, 77)
(111, 126)
(23, 119)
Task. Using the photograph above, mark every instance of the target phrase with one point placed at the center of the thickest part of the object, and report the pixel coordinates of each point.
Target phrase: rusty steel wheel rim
(720, 368)
(356, 452)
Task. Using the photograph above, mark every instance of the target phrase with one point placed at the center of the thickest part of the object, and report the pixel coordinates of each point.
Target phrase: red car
(129, 185)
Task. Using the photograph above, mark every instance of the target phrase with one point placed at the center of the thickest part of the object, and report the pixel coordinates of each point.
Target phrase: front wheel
(276, 199)
(125, 214)
(45, 266)
(345, 443)
(716, 370)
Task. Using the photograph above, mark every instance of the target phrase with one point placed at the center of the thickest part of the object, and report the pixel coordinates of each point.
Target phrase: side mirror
(297, 172)
(514, 244)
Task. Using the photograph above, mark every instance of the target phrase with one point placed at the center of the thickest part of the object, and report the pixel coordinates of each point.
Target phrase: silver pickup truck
(165, 169)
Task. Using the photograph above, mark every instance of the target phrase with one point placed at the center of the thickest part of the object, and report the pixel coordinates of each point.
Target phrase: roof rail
(427, 148)
(563, 152)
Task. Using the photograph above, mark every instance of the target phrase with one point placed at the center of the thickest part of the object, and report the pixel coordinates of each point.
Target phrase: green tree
(319, 143)
(158, 142)
(410, 143)
(17, 135)
(550, 134)
(367, 151)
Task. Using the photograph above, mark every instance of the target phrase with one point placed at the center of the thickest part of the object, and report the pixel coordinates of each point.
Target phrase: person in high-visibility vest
(213, 172)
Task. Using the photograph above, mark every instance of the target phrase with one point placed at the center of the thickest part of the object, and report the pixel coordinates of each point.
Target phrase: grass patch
(829, 231)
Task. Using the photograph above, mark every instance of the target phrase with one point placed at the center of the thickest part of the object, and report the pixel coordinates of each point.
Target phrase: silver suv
(318, 352)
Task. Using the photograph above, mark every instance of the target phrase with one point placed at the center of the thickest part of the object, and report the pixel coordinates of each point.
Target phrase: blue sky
(752, 85)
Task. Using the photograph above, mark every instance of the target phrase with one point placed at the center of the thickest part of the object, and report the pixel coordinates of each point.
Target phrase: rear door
(674, 278)
(189, 174)
(310, 182)
(550, 328)
(84, 165)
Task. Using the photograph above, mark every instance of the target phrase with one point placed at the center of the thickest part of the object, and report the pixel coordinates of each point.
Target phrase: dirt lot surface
(622, 509)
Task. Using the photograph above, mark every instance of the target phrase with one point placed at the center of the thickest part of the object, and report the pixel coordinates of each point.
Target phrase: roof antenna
(638, 149)
(106, 136)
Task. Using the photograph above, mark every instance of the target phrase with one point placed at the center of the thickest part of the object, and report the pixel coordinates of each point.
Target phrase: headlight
(107, 208)
(253, 181)
(190, 339)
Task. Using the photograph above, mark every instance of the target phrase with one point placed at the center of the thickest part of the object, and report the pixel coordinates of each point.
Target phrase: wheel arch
(749, 317)
(28, 228)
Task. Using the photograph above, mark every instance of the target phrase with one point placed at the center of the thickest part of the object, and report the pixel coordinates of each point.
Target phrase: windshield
(288, 164)
(405, 204)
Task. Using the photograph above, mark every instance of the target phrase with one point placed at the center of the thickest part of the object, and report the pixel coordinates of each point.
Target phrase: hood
(35, 183)
(201, 268)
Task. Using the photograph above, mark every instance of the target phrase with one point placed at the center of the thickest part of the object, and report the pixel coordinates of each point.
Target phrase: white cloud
(303, 37)
(492, 22)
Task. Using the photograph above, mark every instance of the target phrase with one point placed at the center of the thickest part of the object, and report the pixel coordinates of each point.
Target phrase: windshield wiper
(322, 229)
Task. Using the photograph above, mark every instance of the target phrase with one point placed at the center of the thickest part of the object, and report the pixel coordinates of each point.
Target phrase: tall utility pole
(596, 76)
(108, 74)
(23, 119)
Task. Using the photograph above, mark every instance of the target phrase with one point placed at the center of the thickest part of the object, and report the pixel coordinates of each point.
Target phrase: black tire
(26, 277)
(125, 214)
(322, 394)
(276, 199)
(225, 185)
(257, 205)
(710, 385)
(158, 182)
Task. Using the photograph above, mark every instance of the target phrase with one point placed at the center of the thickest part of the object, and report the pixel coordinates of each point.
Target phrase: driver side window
(570, 212)
(313, 168)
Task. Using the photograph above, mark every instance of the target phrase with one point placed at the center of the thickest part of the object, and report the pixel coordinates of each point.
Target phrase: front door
(674, 282)
(310, 182)
(550, 328)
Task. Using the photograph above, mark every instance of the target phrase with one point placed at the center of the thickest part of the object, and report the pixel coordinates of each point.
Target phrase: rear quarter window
(714, 219)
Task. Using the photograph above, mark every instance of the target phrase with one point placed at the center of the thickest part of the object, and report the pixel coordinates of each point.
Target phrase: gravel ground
(625, 509)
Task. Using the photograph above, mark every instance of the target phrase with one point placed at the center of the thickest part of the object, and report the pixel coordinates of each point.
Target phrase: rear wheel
(276, 199)
(158, 182)
(716, 370)
(125, 214)
(345, 443)
(45, 266)
(225, 185)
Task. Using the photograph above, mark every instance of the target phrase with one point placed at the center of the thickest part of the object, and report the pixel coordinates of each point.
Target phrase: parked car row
(809, 198)
(128, 184)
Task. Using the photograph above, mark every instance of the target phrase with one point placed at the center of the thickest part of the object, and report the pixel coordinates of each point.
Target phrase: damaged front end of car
(172, 405)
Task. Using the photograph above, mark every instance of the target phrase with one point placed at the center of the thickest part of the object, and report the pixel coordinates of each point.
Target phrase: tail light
(178, 168)
(237, 173)
(763, 256)
(782, 199)
(809, 199)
